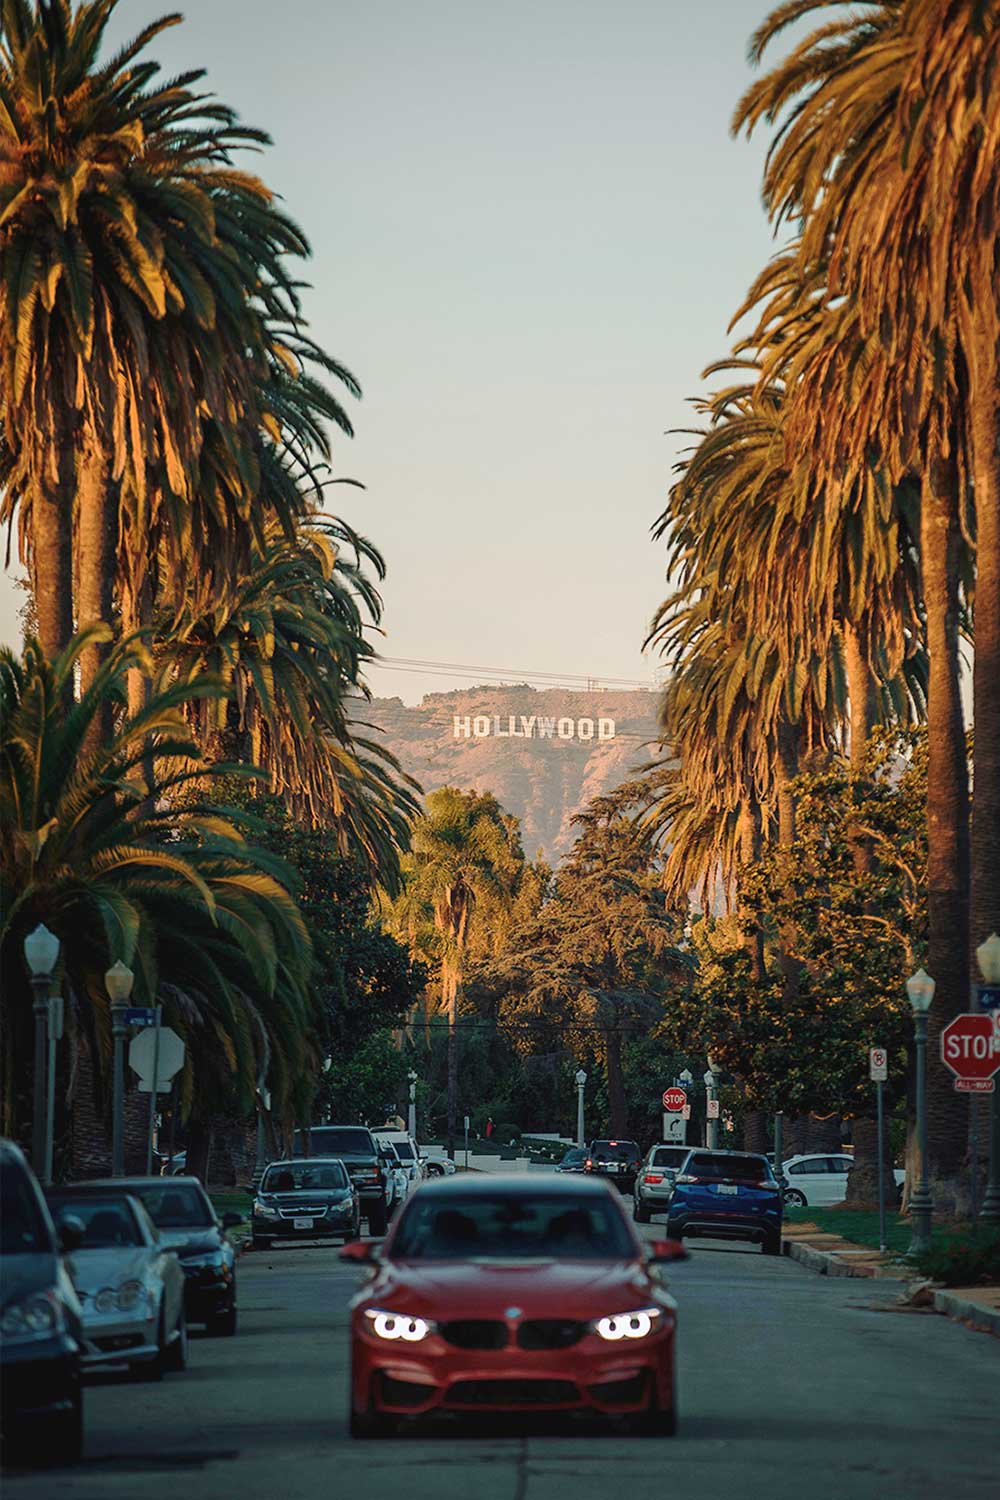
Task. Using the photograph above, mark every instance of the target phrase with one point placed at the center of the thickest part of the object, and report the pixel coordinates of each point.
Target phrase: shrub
(507, 1135)
(963, 1260)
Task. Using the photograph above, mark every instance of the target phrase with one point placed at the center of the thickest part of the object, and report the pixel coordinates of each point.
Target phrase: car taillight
(653, 1177)
(588, 1164)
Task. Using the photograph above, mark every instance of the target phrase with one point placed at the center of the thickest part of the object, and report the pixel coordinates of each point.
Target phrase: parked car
(130, 1285)
(449, 1321)
(41, 1321)
(308, 1198)
(358, 1150)
(435, 1162)
(574, 1160)
(815, 1180)
(406, 1150)
(396, 1179)
(654, 1181)
(188, 1224)
(618, 1160)
(728, 1195)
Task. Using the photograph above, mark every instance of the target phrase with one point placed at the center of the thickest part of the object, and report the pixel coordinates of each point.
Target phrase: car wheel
(674, 1231)
(377, 1218)
(370, 1424)
(176, 1357)
(794, 1198)
(772, 1244)
(223, 1325)
(152, 1369)
(641, 1215)
(434, 1169)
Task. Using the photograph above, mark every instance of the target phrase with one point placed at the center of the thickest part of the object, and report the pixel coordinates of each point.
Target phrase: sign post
(466, 1124)
(878, 1069)
(152, 1093)
(674, 1116)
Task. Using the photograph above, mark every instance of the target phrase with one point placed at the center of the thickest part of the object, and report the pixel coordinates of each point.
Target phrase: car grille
(628, 1392)
(112, 1343)
(303, 1212)
(475, 1333)
(550, 1333)
(513, 1393)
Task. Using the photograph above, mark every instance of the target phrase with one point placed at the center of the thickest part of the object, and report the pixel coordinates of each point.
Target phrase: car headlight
(36, 1317)
(628, 1325)
(106, 1300)
(340, 1208)
(390, 1325)
(129, 1294)
(264, 1211)
(210, 1258)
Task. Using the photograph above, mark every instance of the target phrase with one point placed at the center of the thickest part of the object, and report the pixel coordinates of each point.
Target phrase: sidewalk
(830, 1255)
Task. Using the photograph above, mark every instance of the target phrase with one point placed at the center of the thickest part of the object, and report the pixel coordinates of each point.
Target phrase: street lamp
(581, 1081)
(412, 1112)
(988, 959)
(711, 1125)
(119, 981)
(41, 952)
(920, 992)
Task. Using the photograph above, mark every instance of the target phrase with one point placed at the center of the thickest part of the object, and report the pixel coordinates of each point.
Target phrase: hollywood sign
(530, 727)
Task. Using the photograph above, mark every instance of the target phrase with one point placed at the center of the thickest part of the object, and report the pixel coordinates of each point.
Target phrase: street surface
(792, 1387)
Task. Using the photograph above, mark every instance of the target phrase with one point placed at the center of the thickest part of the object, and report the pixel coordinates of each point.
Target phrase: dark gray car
(310, 1198)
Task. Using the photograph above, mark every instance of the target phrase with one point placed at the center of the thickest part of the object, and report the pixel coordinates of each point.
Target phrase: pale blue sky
(530, 228)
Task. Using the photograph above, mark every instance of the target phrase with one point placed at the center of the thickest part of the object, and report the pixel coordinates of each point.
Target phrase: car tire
(377, 1218)
(641, 1214)
(152, 1370)
(370, 1424)
(434, 1169)
(657, 1420)
(794, 1198)
(223, 1325)
(771, 1244)
(176, 1357)
(674, 1232)
(262, 1242)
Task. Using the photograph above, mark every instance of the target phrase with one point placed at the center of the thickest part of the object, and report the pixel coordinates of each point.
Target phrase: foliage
(963, 1260)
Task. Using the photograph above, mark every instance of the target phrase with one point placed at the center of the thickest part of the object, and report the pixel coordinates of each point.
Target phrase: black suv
(358, 1149)
(310, 1198)
(618, 1160)
(41, 1332)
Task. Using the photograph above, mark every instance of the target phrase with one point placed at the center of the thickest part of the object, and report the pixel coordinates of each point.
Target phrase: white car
(436, 1162)
(130, 1285)
(397, 1183)
(406, 1149)
(814, 1181)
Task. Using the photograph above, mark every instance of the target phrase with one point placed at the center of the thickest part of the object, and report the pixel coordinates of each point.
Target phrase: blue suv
(727, 1195)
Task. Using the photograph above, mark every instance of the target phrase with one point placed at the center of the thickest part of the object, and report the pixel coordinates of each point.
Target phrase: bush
(963, 1260)
(507, 1135)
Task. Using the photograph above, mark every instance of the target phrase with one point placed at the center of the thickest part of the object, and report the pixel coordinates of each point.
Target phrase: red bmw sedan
(513, 1294)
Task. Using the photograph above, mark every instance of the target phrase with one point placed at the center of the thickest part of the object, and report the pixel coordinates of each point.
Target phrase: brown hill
(543, 754)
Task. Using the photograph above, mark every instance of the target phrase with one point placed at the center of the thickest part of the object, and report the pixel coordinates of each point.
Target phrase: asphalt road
(792, 1387)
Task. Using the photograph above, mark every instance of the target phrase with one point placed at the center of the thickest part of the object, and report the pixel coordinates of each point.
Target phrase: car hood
(93, 1269)
(191, 1241)
(486, 1289)
(20, 1275)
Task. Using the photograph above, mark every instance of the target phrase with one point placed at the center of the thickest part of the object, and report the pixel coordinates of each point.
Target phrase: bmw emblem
(513, 1312)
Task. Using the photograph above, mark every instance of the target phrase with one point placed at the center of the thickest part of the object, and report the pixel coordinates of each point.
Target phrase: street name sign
(989, 997)
(140, 1015)
(674, 1100)
(968, 1051)
(878, 1065)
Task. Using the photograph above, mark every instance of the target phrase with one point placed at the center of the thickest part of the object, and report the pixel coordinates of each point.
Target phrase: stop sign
(674, 1100)
(967, 1050)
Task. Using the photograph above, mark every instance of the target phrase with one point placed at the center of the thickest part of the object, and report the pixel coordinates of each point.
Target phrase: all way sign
(968, 1049)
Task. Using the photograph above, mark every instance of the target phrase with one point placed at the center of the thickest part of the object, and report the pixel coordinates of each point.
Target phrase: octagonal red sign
(967, 1047)
(674, 1100)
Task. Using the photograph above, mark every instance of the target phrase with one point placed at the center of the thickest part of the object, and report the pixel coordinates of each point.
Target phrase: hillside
(543, 754)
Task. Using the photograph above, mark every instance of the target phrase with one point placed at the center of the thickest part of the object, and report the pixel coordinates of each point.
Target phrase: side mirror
(662, 1251)
(361, 1252)
(71, 1233)
(231, 1219)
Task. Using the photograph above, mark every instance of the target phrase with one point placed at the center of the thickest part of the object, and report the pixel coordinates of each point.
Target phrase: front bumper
(208, 1291)
(592, 1376)
(37, 1379)
(340, 1226)
(119, 1339)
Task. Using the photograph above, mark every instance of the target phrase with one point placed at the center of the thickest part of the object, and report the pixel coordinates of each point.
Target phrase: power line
(513, 675)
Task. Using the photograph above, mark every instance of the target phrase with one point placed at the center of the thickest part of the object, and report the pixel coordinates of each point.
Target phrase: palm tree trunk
(451, 1000)
(985, 861)
(750, 846)
(52, 562)
(861, 695)
(947, 814)
(96, 541)
(616, 1082)
(788, 769)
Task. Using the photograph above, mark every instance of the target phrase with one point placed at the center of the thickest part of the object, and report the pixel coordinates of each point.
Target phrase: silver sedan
(131, 1287)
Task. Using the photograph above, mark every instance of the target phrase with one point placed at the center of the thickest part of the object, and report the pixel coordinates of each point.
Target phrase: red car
(513, 1294)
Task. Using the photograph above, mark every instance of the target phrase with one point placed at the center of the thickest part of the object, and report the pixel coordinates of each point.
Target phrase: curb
(826, 1264)
(971, 1313)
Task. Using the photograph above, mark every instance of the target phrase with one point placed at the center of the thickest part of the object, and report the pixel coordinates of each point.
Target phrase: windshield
(175, 1206)
(574, 1158)
(107, 1222)
(22, 1228)
(616, 1150)
(337, 1140)
(729, 1168)
(299, 1176)
(403, 1150)
(524, 1226)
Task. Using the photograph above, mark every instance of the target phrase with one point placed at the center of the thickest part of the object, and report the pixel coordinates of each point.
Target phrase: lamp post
(988, 958)
(119, 981)
(411, 1122)
(41, 952)
(581, 1082)
(685, 1078)
(711, 1125)
(920, 993)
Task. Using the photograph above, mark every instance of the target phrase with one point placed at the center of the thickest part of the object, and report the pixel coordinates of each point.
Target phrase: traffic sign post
(878, 1068)
(674, 1100)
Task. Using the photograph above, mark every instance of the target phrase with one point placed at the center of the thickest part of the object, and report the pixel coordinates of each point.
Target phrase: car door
(838, 1168)
(809, 1176)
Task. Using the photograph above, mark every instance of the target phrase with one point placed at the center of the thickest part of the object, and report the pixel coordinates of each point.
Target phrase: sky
(530, 228)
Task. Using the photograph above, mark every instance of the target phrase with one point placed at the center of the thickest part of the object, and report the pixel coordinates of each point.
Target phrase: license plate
(302, 1223)
(727, 1187)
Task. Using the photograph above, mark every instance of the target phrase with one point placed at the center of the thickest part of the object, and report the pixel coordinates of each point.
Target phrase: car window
(175, 1205)
(524, 1226)
(108, 1223)
(667, 1156)
(336, 1140)
(575, 1157)
(299, 1175)
(728, 1168)
(403, 1150)
(800, 1168)
(22, 1226)
(840, 1163)
(615, 1150)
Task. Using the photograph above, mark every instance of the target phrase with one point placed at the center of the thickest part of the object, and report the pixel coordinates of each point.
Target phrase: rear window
(669, 1156)
(616, 1150)
(403, 1150)
(730, 1168)
(337, 1140)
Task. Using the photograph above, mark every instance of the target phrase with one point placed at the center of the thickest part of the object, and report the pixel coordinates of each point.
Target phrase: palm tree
(171, 887)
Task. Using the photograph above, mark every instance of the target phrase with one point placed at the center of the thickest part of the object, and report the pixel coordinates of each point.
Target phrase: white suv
(406, 1150)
